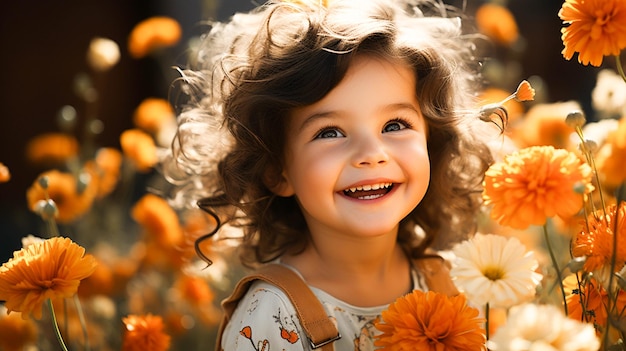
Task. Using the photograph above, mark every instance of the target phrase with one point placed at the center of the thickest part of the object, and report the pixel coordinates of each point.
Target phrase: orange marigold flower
(430, 321)
(138, 146)
(591, 296)
(51, 269)
(51, 148)
(595, 29)
(535, 183)
(498, 23)
(16, 333)
(152, 113)
(159, 220)
(152, 34)
(595, 240)
(145, 332)
(5, 175)
(63, 189)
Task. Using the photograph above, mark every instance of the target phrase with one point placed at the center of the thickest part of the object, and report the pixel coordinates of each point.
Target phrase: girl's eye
(395, 125)
(329, 133)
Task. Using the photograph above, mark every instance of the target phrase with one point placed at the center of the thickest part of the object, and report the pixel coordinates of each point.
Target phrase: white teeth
(370, 187)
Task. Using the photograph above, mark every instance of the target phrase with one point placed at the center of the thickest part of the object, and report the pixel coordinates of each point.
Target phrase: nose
(369, 152)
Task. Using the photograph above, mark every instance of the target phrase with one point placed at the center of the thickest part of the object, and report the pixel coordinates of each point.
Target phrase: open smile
(369, 192)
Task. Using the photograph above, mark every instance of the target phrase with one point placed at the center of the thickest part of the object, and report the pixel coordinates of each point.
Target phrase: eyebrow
(391, 107)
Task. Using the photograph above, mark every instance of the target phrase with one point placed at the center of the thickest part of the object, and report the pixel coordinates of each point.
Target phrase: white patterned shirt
(266, 320)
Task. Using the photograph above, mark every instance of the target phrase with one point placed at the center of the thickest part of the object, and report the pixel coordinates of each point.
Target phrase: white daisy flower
(543, 327)
(494, 269)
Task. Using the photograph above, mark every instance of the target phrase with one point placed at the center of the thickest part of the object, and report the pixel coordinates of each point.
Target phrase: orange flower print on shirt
(263, 345)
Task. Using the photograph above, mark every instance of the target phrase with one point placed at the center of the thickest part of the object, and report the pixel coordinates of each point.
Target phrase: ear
(279, 184)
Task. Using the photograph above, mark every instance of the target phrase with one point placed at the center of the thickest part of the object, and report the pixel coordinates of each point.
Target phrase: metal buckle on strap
(325, 342)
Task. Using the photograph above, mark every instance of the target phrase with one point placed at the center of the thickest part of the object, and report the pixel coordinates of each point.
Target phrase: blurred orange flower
(194, 290)
(63, 188)
(159, 220)
(152, 34)
(498, 23)
(51, 148)
(5, 175)
(144, 332)
(544, 124)
(106, 170)
(430, 321)
(595, 240)
(152, 113)
(47, 270)
(595, 29)
(16, 333)
(611, 157)
(139, 147)
(99, 283)
(535, 183)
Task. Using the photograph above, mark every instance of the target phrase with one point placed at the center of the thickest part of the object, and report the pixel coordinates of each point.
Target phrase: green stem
(56, 325)
(556, 267)
(487, 321)
(620, 69)
(83, 323)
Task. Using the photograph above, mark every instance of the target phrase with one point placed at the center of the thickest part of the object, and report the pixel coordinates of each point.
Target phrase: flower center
(493, 273)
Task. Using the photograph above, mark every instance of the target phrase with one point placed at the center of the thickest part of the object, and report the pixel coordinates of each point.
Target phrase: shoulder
(264, 317)
(435, 270)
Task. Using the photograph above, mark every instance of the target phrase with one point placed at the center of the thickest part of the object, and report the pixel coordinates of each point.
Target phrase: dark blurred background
(43, 46)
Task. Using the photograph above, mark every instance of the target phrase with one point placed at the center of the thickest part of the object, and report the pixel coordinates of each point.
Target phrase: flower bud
(575, 119)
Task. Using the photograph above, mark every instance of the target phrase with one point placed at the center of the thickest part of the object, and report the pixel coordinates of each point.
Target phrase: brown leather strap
(437, 275)
(319, 328)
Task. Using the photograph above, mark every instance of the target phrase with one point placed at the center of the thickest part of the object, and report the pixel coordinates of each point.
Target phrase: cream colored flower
(608, 97)
(543, 327)
(494, 269)
(103, 54)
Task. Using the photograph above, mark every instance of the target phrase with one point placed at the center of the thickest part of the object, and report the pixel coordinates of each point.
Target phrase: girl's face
(357, 160)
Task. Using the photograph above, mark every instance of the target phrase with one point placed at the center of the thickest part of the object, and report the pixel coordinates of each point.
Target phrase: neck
(355, 269)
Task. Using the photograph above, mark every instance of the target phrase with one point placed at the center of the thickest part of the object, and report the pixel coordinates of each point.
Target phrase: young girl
(339, 136)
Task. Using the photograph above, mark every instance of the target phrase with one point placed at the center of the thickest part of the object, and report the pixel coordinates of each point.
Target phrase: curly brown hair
(253, 70)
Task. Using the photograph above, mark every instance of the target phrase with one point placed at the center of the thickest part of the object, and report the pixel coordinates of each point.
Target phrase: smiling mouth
(369, 192)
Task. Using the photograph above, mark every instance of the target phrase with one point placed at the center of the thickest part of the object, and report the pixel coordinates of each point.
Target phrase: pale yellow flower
(103, 54)
(543, 327)
(496, 270)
